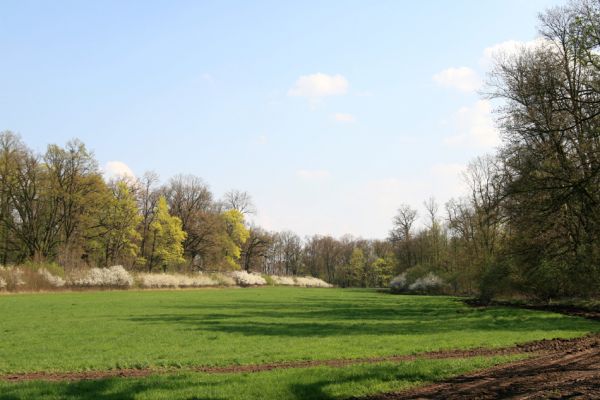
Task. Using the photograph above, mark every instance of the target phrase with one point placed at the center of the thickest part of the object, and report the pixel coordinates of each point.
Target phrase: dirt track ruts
(531, 347)
(563, 369)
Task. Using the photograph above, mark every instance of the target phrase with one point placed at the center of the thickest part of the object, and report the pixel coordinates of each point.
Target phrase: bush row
(15, 278)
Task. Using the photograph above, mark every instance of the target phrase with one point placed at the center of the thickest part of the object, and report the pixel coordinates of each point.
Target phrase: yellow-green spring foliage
(167, 237)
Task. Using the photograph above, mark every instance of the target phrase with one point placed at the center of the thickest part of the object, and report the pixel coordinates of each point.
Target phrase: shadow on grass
(321, 318)
(316, 384)
(102, 389)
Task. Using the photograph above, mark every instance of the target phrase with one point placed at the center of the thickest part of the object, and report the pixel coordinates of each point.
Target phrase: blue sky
(331, 114)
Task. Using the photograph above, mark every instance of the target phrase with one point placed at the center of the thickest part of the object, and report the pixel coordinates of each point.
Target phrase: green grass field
(186, 328)
(301, 384)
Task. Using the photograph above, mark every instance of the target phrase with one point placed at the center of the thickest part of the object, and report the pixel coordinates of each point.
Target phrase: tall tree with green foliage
(167, 237)
(352, 274)
(115, 237)
(233, 237)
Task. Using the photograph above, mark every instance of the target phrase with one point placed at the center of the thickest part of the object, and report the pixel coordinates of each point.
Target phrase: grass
(306, 383)
(140, 329)
(76, 331)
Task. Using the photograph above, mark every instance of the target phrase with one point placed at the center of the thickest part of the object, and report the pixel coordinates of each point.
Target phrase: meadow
(172, 331)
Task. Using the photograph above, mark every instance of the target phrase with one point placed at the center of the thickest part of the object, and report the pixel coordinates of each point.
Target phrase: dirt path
(564, 369)
(532, 347)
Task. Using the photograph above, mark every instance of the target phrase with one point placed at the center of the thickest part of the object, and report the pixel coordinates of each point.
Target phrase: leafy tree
(232, 238)
(381, 271)
(72, 173)
(167, 238)
(115, 236)
(354, 272)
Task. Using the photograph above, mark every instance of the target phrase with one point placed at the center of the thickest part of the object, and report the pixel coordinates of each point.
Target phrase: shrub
(270, 281)
(53, 280)
(428, 283)
(2, 283)
(243, 278)
(13, 277)
(174, 280)
(309, 281)
(502, 278)
(399, 283)
(157, 280)
(51, 267)
(223, 280)
(115, 276)
(283, 280)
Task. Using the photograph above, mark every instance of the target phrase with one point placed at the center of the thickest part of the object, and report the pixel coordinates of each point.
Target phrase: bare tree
(190, 199)
(255, 249)
(403, 223)
(240, 201)
(147, 194)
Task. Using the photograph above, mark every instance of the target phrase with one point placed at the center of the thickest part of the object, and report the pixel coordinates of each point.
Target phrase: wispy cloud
(319, 85)
(475, 126)
(464, 79)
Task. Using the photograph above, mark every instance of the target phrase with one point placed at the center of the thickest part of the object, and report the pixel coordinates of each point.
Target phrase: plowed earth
(563, 370)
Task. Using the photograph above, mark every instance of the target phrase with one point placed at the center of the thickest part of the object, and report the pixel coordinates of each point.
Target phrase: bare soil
(562, 370)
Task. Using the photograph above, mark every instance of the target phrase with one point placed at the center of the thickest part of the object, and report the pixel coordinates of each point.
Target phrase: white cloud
(509, 48)
(343, 117)
(313, 174)
(319, 85)
(117, 169)
(464, 79)
(476, 126)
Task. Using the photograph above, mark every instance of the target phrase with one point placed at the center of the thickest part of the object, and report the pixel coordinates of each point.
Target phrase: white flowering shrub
(399, 283)
(13, 277)
(115, 276)
(200, 280)
(426, 283)
(243, 278)
(309, 281)
(53, 280)
(157, 280)
(2, 283)
(283, 280)
(174, 280)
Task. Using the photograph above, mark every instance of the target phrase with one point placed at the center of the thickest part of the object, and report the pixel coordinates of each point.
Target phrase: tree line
(528, 225)
(57, 207)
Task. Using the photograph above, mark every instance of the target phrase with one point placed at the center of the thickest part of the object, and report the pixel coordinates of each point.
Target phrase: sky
(330, 114)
